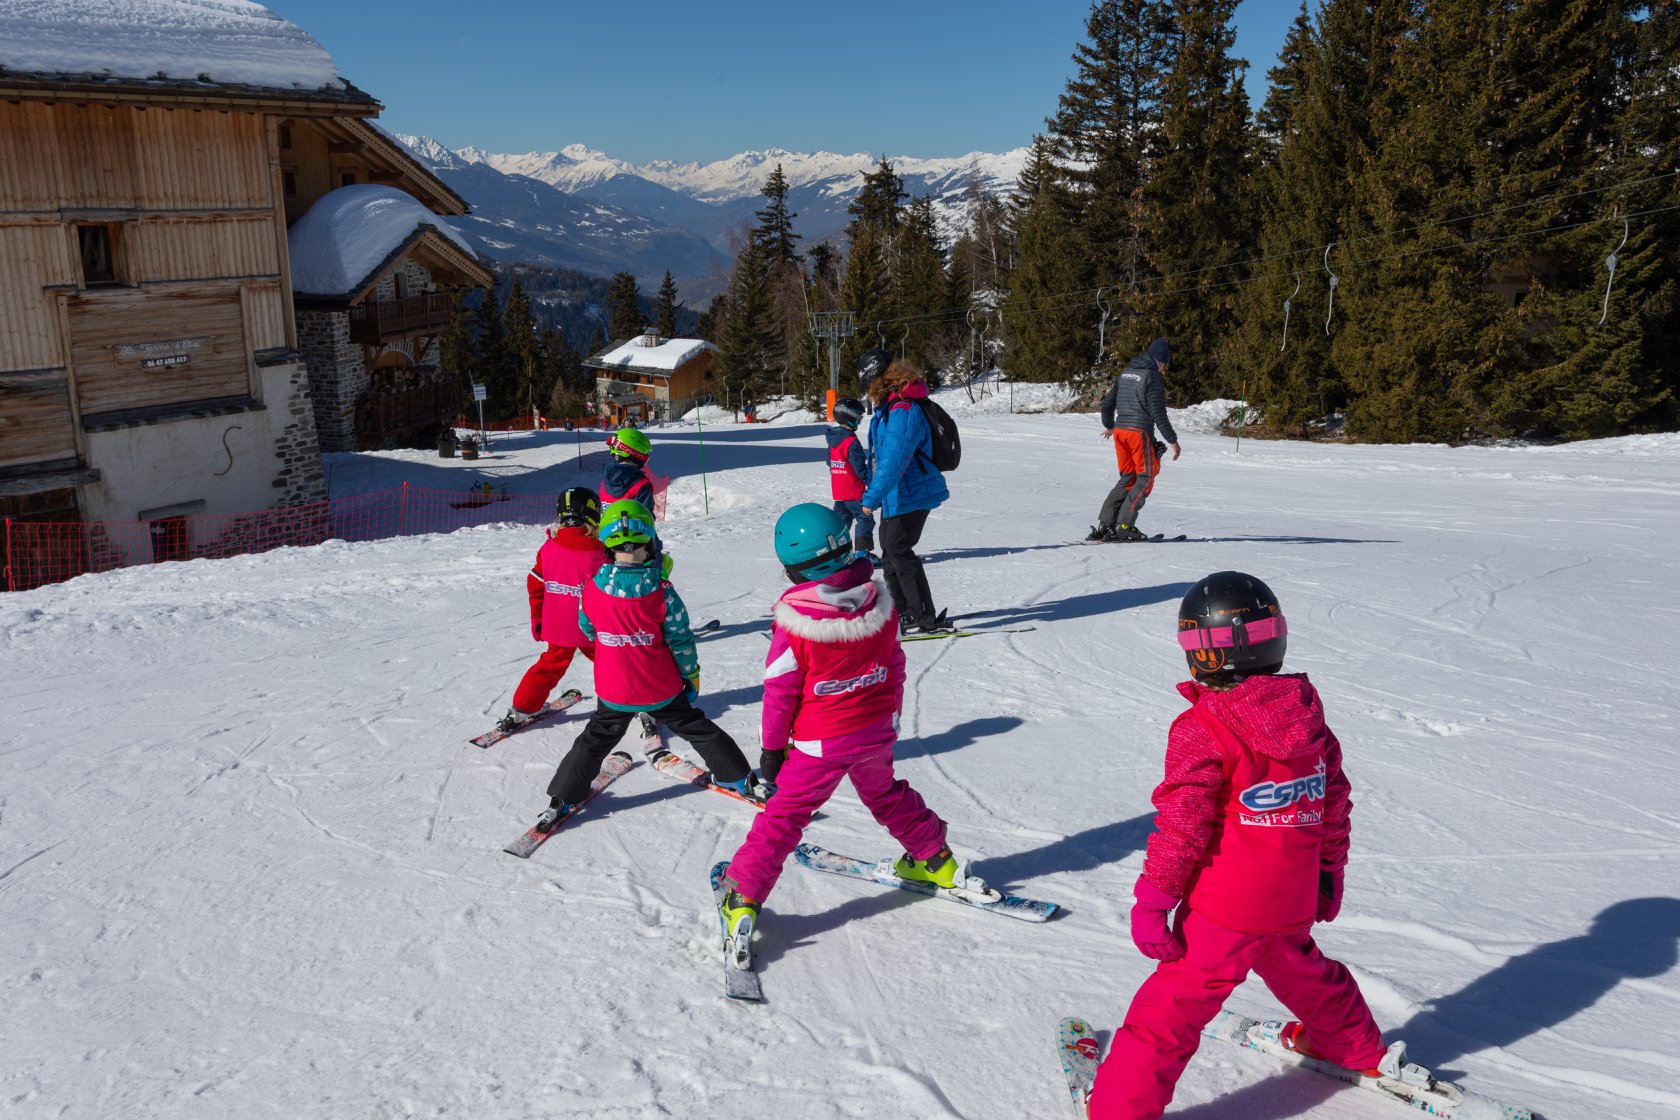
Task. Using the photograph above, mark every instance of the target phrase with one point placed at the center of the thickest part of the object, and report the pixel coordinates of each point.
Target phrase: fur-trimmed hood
(842, 607)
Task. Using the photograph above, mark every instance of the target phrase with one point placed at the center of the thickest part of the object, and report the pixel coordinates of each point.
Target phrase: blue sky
(702, 81)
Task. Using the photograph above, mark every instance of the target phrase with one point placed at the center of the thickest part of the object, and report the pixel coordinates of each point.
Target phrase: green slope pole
(699, 430)
(1242, 415)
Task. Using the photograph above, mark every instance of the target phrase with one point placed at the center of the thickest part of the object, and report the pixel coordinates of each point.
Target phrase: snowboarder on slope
(567, 559)
(626, 475)
(848, 473)
(833, 689)
(1251, 836)
(644, 662)
(1134, 406)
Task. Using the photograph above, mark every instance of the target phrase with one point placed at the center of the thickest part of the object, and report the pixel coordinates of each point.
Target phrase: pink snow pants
(1163, 1026)
(806, 781)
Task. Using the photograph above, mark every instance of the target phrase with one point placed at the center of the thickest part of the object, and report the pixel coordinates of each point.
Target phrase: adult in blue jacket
(903, 484)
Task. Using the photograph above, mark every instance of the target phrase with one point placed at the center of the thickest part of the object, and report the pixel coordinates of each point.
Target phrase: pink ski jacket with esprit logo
(1253, 806)
(633, 667)
(567, 560)
(835, 667)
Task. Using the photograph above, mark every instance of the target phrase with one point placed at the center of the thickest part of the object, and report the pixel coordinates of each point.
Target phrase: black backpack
(947, 444)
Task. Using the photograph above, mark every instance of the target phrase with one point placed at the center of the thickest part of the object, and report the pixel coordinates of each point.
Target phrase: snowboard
(1411, 1085)
(974, 893)
(740, 981)
(1076, 1043)
(553, 708)
(616, 765)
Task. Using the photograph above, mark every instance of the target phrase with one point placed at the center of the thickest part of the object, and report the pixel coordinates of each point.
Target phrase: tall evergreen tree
(1108, 130)
(1198, 203)
(879, 201)
(665, 307)
(750, 348)
(455, 345)
(866, 291)
(624, 312)
(524, 350)
(1274, 121)
(918, 285)
(1047, 333)
(493, 362)
(775, 221)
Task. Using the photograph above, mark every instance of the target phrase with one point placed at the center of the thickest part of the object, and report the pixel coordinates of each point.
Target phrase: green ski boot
(941, 870)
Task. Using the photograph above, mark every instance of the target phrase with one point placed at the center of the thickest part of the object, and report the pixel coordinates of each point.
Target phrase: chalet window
(99, 254)
(289, 179)
(285, 136)
(347, 178)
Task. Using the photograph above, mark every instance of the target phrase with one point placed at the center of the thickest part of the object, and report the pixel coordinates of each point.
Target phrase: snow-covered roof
(667, 357)
(219, 42)
(350, 232)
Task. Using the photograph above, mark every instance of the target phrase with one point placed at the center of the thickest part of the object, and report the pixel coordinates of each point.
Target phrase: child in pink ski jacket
(1251, 838)
(567, 560)
(833, 688)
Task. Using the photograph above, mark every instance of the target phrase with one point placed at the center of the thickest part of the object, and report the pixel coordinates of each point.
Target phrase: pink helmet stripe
(1219, 637)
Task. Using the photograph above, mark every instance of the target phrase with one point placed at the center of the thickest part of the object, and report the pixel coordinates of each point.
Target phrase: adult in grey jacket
(1134, 407)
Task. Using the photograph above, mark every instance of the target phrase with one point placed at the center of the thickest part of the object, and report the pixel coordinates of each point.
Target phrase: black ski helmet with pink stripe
(1231, 623)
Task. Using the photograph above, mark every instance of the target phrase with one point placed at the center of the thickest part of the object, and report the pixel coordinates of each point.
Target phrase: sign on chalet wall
(161, 355)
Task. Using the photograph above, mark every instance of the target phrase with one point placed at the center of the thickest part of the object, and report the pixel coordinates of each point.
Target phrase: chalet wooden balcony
(379, 321)
(394, 417)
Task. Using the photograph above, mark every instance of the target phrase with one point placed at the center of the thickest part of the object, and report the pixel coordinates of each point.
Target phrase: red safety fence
(42, 552)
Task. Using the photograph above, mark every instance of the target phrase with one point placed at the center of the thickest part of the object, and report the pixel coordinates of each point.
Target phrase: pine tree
(866, 291)
(624, 312)
(524, 350)
(1046, 330)
(878, 203)
(1198, 205)
(493, 363)
(750, 347)
(1274, 121)
(775, 222)
(665, 308)
(1107, 132)
(455, 345)
(918, 285)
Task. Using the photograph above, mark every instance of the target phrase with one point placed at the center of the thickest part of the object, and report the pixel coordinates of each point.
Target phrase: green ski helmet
(629, 443)
(578, 506)
(811, 542)
(626, 523)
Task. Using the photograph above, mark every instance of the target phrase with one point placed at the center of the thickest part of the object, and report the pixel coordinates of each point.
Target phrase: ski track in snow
(249, 865)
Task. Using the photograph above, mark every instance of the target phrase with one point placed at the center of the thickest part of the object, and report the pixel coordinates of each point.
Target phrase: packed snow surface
(250, 867)
(224, 42)
(349, 232)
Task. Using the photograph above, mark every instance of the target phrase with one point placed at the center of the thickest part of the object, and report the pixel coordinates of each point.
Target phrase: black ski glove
(770, 763)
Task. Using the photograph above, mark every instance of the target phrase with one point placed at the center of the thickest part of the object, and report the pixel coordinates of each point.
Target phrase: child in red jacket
(569, 556)
(1251, 838)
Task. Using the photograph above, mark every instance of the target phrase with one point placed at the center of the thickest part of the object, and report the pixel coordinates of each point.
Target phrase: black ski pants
(606, 727)
(906, 581)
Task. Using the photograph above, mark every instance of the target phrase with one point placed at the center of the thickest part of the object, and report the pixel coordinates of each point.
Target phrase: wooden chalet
(151, 365)
(653, 378)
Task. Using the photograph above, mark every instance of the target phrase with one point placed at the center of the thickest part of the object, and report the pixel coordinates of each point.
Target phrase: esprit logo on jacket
(639, 638)
(851, 684)
(554, 588)
(1293, 804)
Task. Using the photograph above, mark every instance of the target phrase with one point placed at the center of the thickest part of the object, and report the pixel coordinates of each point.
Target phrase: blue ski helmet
(811, 542)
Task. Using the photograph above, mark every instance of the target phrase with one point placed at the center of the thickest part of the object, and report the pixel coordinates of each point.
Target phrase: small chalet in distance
(653, 378)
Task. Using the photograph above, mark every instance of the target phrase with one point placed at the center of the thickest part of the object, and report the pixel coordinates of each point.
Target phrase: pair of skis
(740, 980)
(1401, 1082)
(1153, 538)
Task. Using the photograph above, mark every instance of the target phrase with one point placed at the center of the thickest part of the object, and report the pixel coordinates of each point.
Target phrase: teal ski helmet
(811, 542)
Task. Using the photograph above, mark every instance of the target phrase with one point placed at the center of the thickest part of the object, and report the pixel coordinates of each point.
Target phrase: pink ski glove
(1150, 932)
(1329, 895)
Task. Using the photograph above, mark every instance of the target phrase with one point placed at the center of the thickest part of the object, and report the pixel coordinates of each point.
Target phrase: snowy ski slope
(250, 867)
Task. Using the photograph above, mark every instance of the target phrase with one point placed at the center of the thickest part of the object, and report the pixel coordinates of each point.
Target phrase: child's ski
(1401, 1081)
(1153, 538)
(1077, 1044)
(705, 627)
(739, 979)
(931, 635)
(616, 765)
(554, 707)
(973, 893)
(675, 766)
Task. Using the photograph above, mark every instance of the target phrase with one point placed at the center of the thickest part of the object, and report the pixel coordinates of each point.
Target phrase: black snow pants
(606, 727)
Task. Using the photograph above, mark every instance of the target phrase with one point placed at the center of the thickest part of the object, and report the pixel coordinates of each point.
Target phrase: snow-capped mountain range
(687, 217)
